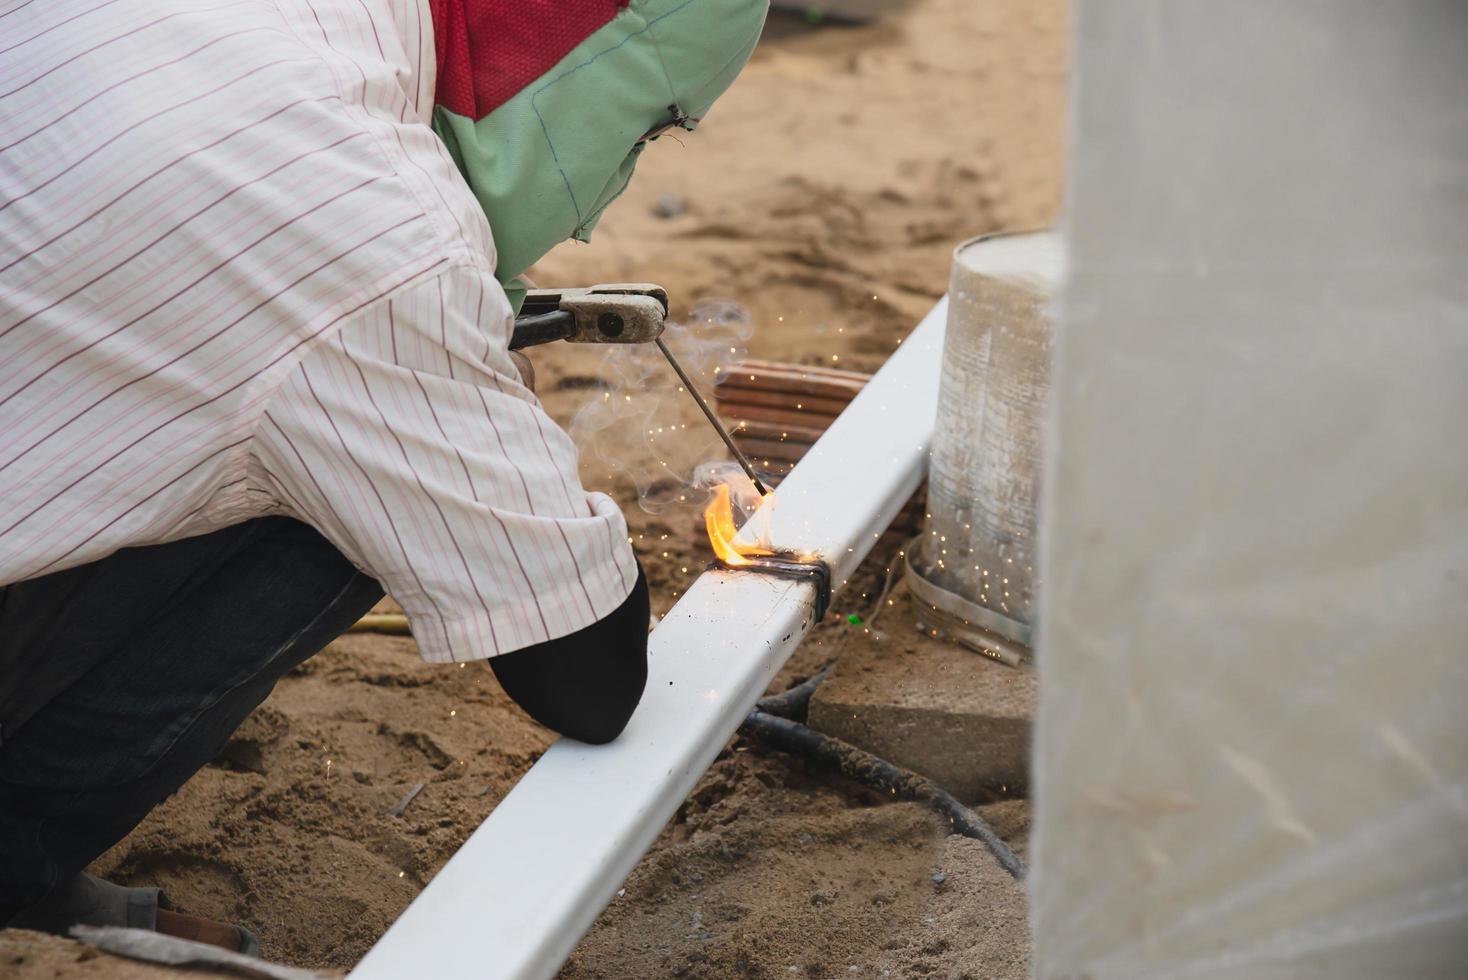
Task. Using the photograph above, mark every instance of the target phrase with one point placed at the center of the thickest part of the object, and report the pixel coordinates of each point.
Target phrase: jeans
(121, 679)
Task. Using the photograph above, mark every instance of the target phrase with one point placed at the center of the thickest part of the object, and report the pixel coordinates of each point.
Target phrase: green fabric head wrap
(546, 163)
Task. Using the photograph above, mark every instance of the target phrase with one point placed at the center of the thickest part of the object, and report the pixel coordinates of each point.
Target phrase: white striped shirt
(240, 276)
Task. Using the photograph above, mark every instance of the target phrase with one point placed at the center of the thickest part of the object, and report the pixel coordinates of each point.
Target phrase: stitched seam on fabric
(466, 258)
(152, 765)
(392, 157)
(236, 681)
(567, 74)
(597, 212)
(358, 303)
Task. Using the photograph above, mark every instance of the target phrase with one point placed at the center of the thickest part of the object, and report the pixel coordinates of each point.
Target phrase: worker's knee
(587, 685)
(604, 719)
(600, 685)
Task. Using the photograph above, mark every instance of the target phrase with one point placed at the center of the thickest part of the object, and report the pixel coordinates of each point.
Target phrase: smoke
(644, 427)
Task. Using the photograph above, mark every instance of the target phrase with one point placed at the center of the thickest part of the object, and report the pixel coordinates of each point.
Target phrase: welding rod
(713, 419)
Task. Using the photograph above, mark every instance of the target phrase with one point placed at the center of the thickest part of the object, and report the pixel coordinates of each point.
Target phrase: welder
(258, 275)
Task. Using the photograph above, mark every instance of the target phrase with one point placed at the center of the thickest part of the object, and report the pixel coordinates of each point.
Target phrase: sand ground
(822, 197)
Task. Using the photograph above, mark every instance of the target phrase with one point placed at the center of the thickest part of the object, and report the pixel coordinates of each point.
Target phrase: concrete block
(931, 706)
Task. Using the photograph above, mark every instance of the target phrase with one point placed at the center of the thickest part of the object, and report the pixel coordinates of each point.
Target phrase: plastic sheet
(1252, 746)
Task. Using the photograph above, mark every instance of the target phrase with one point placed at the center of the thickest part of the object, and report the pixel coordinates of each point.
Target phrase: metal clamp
(616, 313)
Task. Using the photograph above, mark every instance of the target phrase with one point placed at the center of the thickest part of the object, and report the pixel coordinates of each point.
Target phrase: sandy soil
(789, 876)
(823, 196)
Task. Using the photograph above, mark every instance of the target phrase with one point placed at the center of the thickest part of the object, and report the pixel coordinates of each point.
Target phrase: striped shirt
(240, 276)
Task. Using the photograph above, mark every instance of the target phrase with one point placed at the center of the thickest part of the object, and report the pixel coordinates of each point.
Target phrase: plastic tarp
(1252, 743)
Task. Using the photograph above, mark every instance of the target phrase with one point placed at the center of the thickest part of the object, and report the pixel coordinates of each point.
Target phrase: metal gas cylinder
(974, 571)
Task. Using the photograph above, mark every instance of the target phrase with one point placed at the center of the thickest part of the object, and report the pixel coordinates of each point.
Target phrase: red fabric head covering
(490, 49)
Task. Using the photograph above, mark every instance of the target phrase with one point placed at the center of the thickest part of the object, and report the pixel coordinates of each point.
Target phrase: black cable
(766, 723)
(535, 329)
(792, 703)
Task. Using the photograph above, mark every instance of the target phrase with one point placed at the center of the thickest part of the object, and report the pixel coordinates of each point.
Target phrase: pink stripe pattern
(240, 276)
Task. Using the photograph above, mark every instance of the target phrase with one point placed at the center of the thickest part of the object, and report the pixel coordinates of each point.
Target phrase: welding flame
(718, 518)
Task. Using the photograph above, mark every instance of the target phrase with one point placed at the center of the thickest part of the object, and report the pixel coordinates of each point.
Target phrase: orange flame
(718, 518)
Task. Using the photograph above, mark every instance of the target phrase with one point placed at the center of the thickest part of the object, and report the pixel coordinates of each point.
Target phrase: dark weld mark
(816, 571)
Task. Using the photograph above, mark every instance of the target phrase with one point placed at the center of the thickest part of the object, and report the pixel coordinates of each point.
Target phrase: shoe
(236, 939)
(88, 900)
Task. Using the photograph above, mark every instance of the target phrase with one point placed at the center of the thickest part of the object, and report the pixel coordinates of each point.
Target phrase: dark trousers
(121, 679)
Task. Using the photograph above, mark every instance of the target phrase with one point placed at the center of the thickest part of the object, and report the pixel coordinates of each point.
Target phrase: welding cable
(867, 769)
(772, 722)
(793, 703)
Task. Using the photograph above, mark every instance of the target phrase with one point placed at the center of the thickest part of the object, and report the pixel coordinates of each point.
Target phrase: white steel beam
(518, 896)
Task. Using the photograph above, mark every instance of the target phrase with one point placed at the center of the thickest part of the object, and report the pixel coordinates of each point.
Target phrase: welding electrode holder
(616, 313)
(814, 571)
